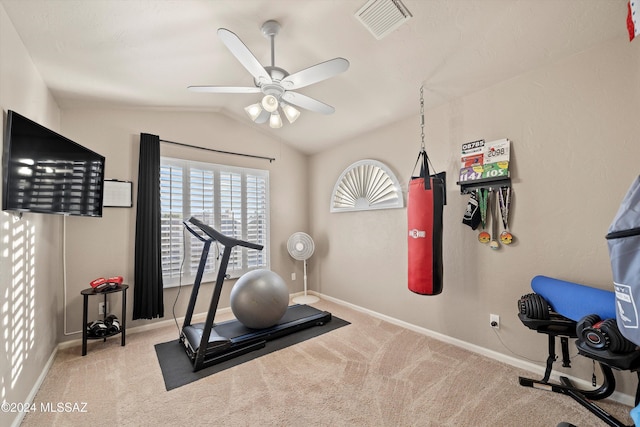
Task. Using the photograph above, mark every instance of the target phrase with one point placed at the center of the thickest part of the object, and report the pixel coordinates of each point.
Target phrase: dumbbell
(112, 323)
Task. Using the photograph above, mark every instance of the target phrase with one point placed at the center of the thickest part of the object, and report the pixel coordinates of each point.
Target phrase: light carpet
(371, 373)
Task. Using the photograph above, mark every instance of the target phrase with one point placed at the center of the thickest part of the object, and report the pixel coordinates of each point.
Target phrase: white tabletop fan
(300, 246)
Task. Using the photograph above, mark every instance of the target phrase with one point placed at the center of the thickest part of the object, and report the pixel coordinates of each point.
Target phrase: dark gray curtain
(147, 291)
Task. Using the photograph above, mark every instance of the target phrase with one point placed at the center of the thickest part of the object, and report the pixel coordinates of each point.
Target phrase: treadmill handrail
(216, 235)
(195, 233)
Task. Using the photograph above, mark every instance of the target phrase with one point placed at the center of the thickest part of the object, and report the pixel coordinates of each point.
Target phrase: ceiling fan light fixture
(253, 111)
(290, 112)
(275, 121)
(270, 103)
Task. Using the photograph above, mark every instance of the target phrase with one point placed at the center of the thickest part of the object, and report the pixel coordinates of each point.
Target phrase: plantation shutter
(235, 201)
(171, 205)
(201, 204)
(231, 213)
(256, 217)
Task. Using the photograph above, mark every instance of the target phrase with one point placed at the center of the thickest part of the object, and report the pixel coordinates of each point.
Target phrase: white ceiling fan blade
(244, 55)
(224, 89)
(315, 73)
(308, 103)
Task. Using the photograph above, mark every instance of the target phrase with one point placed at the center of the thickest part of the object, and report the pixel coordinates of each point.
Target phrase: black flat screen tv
(44, 172)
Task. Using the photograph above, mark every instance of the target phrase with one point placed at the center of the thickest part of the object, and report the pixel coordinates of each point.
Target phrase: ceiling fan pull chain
(422, 116)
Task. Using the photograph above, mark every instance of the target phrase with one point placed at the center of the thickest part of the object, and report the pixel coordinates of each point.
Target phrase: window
(234, 201)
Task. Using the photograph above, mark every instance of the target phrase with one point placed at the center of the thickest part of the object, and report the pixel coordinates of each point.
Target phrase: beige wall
(574, 129)
(573, 125)
(30, 267)
(101, 247)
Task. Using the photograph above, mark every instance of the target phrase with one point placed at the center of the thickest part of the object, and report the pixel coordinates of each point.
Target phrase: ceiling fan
(275, 83)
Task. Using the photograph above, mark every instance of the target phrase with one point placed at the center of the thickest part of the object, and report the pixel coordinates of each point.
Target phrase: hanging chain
(422, 116)
(423, 149)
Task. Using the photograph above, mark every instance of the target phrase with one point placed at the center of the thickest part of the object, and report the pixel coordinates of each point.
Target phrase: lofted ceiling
(144, 53)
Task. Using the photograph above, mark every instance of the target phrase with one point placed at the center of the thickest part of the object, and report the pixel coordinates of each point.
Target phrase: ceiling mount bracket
(270, 28)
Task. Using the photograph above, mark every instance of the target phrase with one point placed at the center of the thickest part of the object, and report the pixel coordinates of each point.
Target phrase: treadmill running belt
(232, 329)
(233, 333)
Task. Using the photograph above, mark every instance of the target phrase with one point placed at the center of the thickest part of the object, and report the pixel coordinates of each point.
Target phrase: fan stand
(305, 299)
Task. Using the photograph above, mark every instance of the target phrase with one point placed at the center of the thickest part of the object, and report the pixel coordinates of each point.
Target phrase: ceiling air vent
(381, 17)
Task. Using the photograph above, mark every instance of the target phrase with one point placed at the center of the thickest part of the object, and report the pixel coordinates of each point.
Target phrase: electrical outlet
(494, 321)
(293, 276)
(101, 308)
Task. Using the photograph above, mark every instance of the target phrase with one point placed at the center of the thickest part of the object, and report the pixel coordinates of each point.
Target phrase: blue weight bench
(567, 310)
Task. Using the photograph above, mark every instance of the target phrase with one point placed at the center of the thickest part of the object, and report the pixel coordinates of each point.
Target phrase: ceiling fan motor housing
(274, 88)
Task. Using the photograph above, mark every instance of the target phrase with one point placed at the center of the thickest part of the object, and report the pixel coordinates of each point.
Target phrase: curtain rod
(271, 159)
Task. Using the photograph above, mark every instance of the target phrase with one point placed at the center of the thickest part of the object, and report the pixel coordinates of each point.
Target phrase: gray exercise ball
(259, 299)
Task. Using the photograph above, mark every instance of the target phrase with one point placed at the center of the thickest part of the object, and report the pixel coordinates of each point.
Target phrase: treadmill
(209, 343)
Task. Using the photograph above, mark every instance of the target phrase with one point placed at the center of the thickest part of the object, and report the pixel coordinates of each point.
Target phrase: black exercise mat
(177, 369)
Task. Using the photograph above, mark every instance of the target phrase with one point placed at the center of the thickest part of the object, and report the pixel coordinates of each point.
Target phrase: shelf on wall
(467, 186)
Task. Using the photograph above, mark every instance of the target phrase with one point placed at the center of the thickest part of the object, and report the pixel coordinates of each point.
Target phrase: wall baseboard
(34, 390)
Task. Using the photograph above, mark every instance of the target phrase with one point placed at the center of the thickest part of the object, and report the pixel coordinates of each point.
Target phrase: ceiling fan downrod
(270, 30)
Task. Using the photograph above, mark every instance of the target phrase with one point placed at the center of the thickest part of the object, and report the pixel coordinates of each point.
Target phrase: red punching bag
(425, 202)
